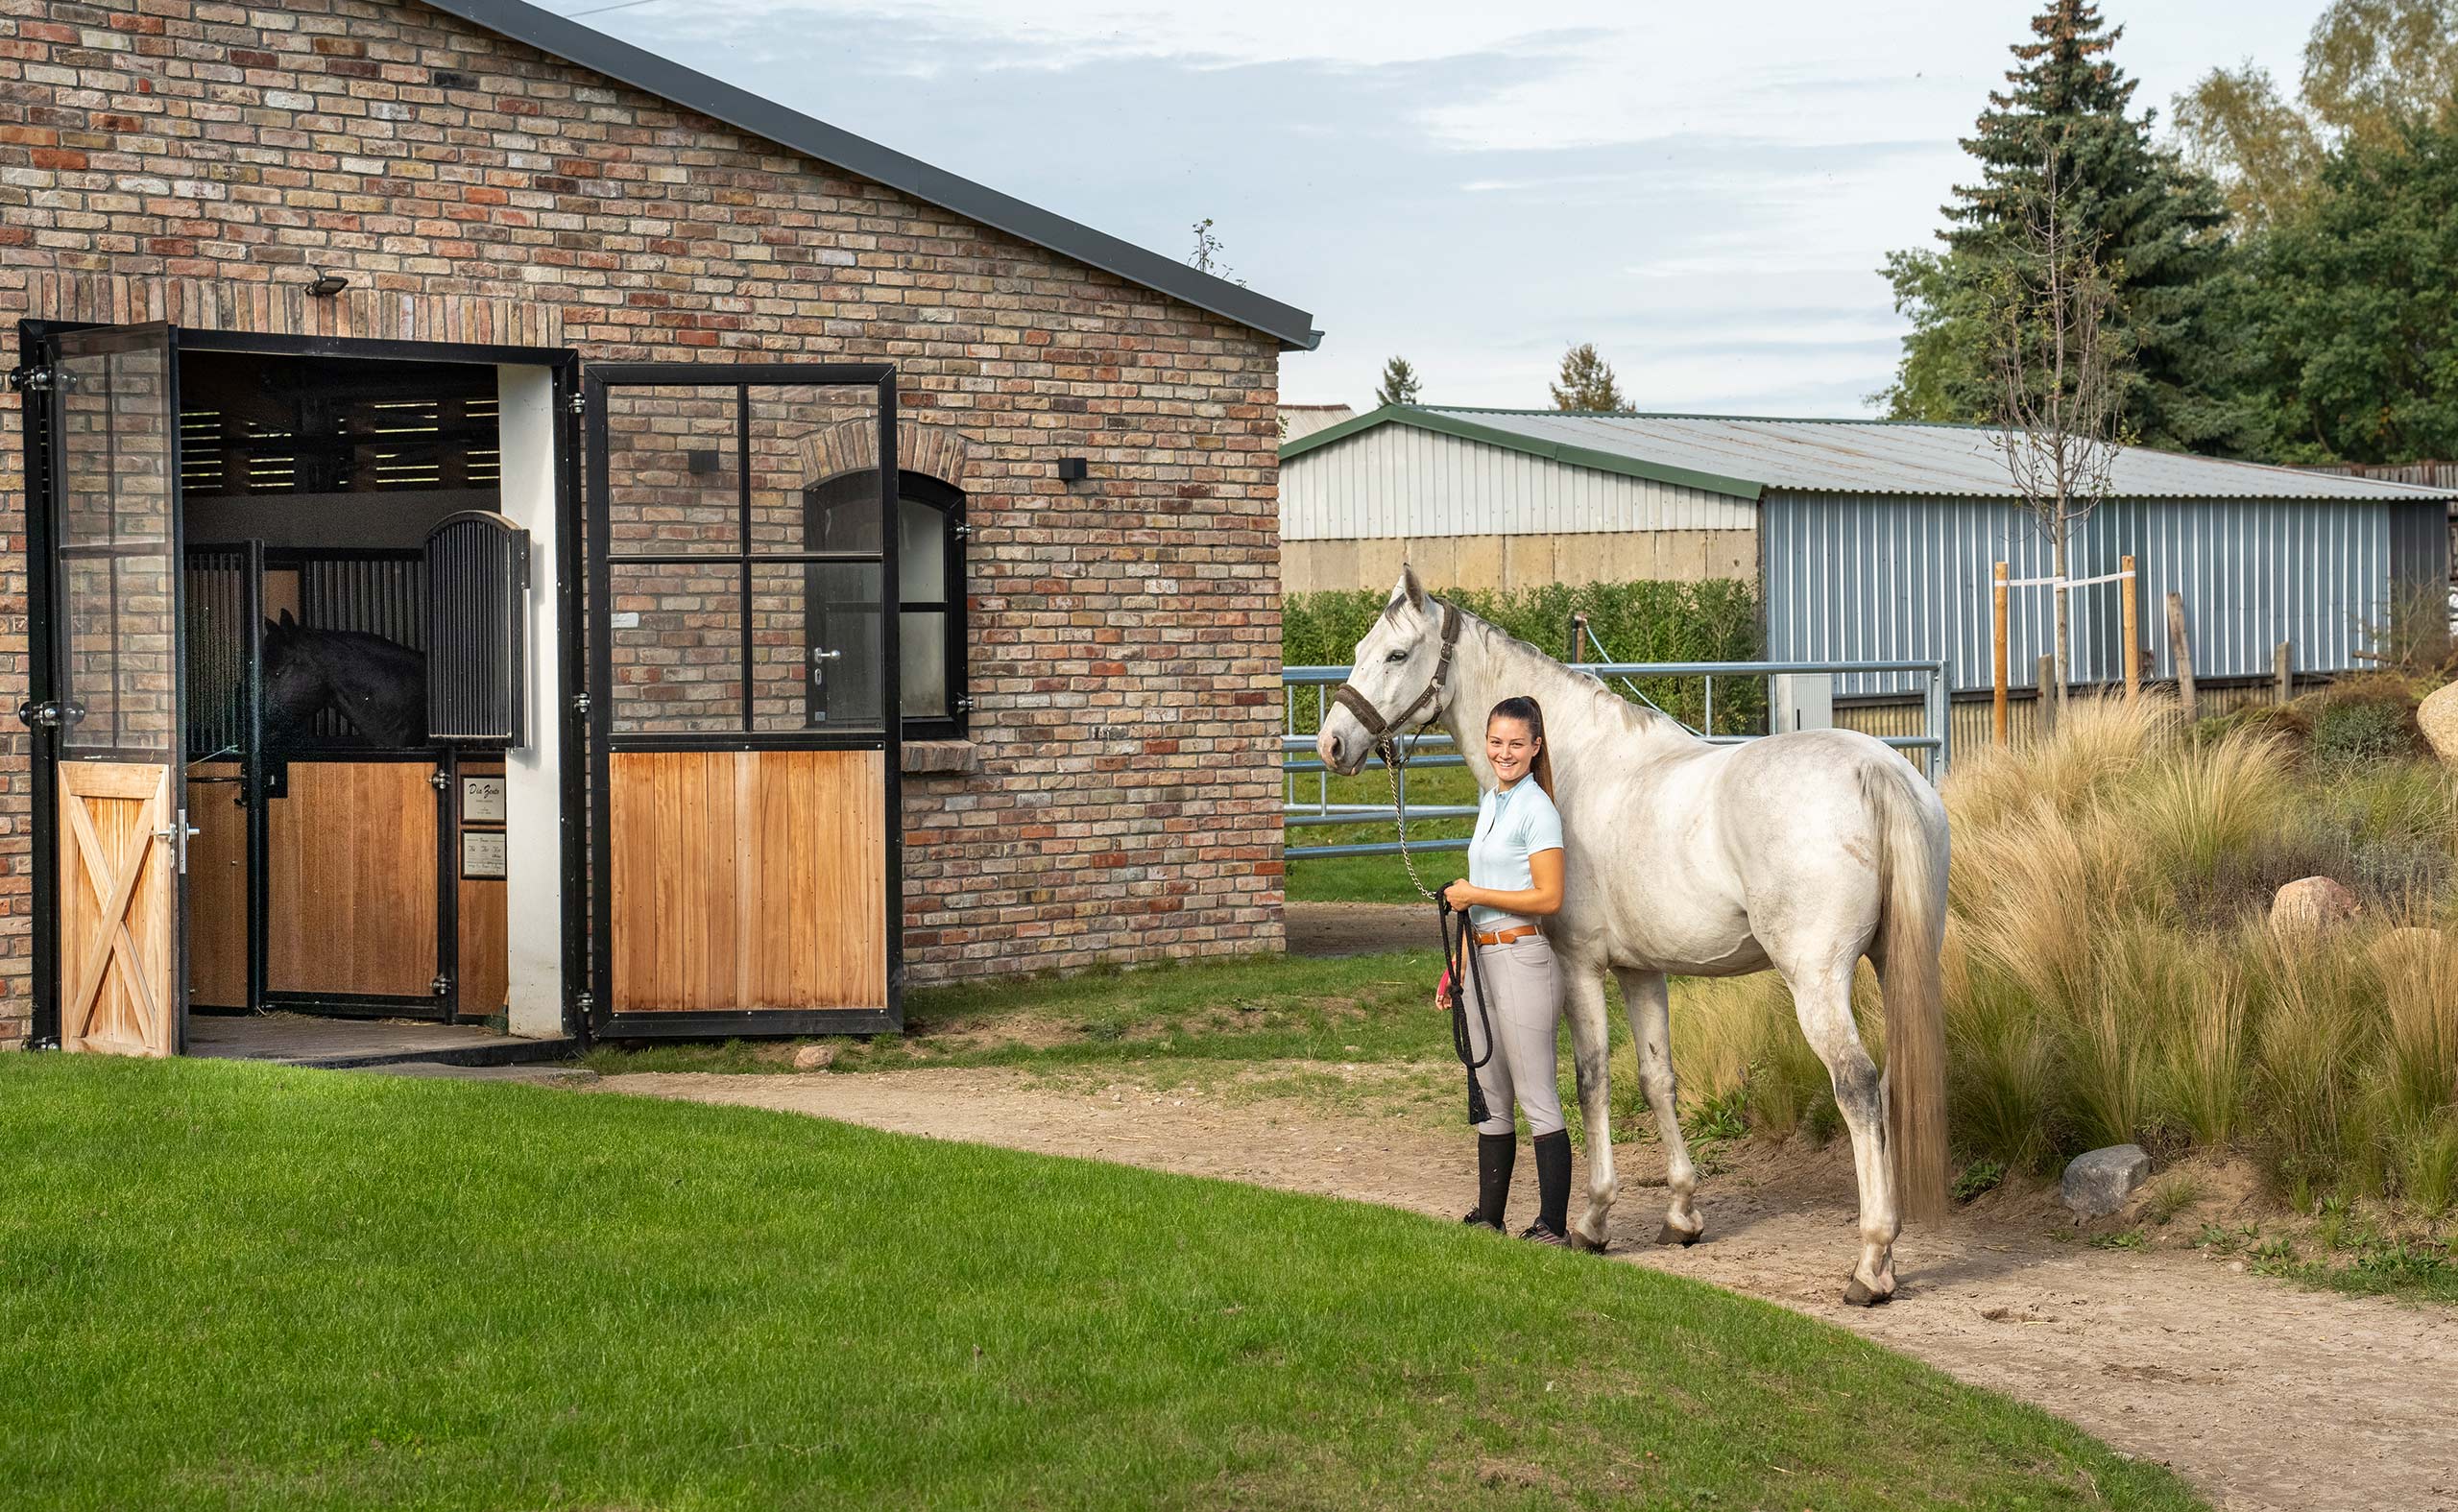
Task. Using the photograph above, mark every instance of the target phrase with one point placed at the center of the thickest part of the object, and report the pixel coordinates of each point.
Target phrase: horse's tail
(1912, 930)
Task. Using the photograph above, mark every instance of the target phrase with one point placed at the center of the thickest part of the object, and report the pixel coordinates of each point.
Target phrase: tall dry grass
(2111, 975)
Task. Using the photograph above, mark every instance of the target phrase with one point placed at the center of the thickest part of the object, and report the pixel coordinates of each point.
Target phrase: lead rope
(1393, 760)
(1459, 950)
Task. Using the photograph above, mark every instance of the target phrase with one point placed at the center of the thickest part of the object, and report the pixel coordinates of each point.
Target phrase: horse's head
(1396, 670)
(295, 681)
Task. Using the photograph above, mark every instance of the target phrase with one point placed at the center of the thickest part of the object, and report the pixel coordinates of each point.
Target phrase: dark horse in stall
(378, 686)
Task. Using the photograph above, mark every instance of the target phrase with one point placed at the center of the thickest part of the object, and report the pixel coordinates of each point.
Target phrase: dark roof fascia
(787, 128)
(1450, 424)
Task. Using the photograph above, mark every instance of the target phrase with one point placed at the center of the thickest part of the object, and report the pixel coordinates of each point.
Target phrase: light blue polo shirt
(1513, 825)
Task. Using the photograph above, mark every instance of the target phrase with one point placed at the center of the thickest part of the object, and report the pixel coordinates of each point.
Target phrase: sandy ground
(1360, 929)
(2259, 1393)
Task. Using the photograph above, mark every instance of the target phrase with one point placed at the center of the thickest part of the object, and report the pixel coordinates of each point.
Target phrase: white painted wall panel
(1396, 481)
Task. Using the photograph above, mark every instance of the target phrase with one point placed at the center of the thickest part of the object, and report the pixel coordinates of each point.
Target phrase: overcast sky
(1704, 191)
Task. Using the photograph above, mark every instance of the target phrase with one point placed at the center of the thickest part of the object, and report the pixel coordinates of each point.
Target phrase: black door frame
(42, 562)
(602, 742)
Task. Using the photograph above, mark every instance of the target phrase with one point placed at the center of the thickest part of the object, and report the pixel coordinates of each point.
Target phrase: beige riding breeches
(1524, 984)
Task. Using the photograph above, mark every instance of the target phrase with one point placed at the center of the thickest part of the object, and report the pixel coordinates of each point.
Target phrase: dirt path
(2261, 1394)
(1360, 929)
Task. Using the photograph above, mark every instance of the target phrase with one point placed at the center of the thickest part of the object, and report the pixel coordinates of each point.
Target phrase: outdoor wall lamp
(1072, 469)
(328, 284)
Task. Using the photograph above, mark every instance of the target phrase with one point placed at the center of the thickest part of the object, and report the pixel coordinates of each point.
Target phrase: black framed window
(842, 514)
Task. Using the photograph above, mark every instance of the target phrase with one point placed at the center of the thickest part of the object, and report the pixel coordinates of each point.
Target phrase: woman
(1515, 879)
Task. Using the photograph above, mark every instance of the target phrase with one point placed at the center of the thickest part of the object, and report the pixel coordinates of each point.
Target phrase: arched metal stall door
(745, 845)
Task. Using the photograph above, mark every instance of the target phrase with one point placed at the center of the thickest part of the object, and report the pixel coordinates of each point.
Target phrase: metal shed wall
(1398, 481)
(1883, 577)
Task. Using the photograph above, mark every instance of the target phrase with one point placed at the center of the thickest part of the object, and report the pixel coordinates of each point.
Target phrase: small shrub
(2171, 1196)
(2357, 733)
(1978, 1178)
(2428, 1172)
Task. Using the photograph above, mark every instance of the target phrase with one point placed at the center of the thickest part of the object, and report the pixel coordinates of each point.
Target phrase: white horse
(1801, 852)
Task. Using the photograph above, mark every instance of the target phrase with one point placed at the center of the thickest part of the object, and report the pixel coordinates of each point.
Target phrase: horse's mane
(365, 640)
(1638, 717)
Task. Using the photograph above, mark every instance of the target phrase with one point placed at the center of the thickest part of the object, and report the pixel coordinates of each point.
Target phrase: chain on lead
(1392, 761)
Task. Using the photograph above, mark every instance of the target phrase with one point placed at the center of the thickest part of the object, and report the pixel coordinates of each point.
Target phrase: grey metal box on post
(1800, 701)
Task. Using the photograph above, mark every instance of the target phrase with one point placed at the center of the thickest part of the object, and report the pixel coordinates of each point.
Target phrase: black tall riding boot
(1496, 1154)
(1553, 1184)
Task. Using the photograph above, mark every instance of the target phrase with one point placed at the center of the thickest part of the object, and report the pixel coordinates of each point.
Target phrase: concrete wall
(1510, 562)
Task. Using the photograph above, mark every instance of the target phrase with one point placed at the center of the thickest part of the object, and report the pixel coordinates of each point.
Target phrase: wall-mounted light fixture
(1072, 469)
(328, 284)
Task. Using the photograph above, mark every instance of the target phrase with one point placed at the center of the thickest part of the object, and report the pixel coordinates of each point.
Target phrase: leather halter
(1379, 731)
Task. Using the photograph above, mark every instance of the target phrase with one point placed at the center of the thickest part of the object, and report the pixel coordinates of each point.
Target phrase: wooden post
(1578, 636)
(1997, 655)
(2282, 668)
(2048, 709)
(2132, 586)
(2183, 649)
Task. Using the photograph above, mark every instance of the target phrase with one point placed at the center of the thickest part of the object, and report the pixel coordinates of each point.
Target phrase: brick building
(309, 282)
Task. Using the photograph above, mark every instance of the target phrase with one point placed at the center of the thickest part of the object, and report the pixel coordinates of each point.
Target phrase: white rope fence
(2072, 583)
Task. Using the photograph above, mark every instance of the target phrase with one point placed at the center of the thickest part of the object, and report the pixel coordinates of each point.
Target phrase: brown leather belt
(1505, 936)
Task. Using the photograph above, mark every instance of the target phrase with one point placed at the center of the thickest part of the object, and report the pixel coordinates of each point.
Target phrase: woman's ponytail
(1527, 711)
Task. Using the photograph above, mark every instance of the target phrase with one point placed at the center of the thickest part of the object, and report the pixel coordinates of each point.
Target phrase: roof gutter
(770, 120)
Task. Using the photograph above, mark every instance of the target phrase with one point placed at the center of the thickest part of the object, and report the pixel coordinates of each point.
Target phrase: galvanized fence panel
(1306, 693)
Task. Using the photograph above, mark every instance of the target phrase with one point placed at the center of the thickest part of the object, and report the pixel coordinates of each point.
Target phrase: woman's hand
(1460, 894)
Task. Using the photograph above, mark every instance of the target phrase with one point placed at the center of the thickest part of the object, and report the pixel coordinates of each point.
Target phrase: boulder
(2438, 717)
(2097, 1185)
(814, 1057)
(2310, 903)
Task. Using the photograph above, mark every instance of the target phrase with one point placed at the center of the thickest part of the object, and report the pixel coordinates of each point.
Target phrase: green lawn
(233, 1285)
(1232, 1011)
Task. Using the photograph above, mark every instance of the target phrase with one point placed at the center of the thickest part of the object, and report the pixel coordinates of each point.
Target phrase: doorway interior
(349, 857)
(318, 727)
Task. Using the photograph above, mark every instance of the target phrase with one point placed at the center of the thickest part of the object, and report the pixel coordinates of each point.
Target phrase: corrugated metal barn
(1872, 539)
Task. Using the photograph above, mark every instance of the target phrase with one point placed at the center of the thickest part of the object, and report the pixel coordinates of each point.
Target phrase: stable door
(113, 717)
(746, 850)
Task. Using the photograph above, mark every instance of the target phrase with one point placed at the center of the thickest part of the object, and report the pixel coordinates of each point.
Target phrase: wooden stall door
(352, 883)
(118, 910)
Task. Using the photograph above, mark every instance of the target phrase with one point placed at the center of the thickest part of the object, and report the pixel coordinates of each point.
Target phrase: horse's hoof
(1857, 1295)
(1669, 1234)
(1587, 1246)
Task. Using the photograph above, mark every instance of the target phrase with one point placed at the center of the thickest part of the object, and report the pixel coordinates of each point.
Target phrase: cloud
(1706, 192)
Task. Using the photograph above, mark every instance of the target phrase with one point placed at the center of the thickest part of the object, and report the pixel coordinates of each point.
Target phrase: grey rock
(2097, 1185)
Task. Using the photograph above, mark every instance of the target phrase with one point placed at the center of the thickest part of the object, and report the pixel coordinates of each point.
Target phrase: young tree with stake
(2060, 363)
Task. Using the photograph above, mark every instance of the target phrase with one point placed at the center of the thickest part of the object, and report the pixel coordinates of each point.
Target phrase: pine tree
(1398, 384)
(1586, 382)
(2156, 225)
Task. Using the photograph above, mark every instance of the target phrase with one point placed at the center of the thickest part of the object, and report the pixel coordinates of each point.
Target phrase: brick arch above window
(934, 451)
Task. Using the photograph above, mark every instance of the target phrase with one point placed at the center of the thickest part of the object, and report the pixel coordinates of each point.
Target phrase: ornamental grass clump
(2112, 975)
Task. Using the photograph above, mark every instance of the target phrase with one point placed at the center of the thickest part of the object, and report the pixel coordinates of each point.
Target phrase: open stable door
(743, 736)
(114, 714)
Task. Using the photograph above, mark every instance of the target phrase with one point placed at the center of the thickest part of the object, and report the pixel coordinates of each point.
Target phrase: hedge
(1716, 621)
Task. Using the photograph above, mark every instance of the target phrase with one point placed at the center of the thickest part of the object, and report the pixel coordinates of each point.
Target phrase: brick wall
(195, 161)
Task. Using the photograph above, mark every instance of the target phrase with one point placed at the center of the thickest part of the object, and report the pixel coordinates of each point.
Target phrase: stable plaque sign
(482, 800)
(482, 854)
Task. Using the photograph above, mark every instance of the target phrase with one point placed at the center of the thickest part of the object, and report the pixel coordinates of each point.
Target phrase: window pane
(798, 435)
(675, 639)
(922, 646)
(921, 554)
(816, 645)
(673, 470)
